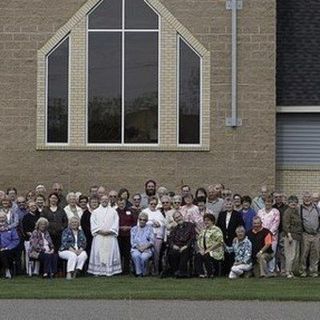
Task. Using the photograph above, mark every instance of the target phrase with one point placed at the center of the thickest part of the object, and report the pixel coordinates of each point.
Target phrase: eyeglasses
(153, 204)
(142, 219)
(177, 202)
(136, 199)
(112, 196)
(165, 202)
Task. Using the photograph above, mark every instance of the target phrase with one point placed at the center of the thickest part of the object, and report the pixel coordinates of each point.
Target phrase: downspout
(234, 6)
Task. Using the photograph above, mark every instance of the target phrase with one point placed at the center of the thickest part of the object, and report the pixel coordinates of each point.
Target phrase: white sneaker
(69, 276)
(8, 274)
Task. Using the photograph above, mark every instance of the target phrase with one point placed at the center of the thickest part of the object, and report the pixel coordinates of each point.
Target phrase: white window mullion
(122, 71)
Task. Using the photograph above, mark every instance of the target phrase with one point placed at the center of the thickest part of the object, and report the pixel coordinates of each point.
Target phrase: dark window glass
(108, 15)
(57, 108)
(139, 15)
(141, 87)
(298, 46)
(104, 87)
(189, 95)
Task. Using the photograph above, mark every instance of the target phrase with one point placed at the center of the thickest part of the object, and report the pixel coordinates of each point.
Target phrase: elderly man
(181, 242)
(261, 239)
(113, 198)
(258, 202)
(150, 190)
(310, 215)
(214, 203)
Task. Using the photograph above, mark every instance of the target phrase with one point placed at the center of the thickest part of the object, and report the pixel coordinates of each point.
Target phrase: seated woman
(9, 240)
(42, 249)
(142, 241)
(157, 221)
(73, 245)
(242, 249)
(210, 248)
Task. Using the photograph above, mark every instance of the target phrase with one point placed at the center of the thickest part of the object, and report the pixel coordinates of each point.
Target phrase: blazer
(235, 221)
(68, 240)
(37, 244)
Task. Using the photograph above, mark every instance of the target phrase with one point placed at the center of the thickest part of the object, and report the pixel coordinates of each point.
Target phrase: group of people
(211, 232)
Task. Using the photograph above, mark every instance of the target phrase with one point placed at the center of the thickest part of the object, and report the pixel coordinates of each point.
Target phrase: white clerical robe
(105, 256)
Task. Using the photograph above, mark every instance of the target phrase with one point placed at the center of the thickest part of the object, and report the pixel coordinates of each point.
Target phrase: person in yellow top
(210, 248)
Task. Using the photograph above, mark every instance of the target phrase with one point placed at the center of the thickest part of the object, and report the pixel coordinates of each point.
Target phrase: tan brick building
(243, 157)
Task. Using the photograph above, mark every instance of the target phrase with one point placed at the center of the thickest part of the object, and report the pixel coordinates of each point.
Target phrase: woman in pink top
(270, 218)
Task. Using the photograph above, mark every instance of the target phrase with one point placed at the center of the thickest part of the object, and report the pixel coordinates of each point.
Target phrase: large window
(123, 42)
(189, 94)
(123, 75)
(58, 93)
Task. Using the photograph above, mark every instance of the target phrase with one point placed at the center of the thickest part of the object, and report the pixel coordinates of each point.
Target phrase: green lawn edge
(150, 288)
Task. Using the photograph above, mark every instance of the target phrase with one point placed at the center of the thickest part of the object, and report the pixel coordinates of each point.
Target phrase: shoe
(202, 276)
(45, 276)
(69, 276)
(290, 276)
(314, 275)
(303, 275)
(8, 274)
(271, 275)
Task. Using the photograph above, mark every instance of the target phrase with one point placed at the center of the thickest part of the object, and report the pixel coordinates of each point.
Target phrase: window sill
(154, 148)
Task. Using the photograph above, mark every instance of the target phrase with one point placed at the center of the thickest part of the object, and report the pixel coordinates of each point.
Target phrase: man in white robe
(105, 255)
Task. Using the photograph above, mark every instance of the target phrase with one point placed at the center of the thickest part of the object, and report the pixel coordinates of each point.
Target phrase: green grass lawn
(125, 287)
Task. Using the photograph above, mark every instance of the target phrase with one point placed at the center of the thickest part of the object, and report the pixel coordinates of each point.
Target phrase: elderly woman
(167, 212)
(162, 191)
(12, 216)
(176, 202)
(57, 219)
(191, 213)
(9, 240)
(73, 245)
(210, 248)
(270, 218)
(292, 228)
(72, 210)
(242, 249)
(142, 241)
(157, 221)
(42, 248)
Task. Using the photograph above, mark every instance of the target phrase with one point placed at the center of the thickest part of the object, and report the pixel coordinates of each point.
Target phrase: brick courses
(243, 158)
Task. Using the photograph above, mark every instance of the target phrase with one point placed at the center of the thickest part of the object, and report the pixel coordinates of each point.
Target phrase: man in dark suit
(228, 221)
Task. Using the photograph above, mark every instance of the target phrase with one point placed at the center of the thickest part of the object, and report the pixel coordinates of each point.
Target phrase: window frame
(188, 145)
(123, 30)
(62, 144)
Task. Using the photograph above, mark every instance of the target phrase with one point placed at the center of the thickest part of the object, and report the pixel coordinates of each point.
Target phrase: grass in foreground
(125, 287)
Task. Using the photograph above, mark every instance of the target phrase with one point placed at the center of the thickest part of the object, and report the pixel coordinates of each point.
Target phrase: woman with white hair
(73, 245)
(42, 248)
(9, 240)
(242, 249)
(72, 210)
(142, 242)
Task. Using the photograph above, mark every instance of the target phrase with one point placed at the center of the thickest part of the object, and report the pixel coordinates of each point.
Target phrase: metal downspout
(234, 6)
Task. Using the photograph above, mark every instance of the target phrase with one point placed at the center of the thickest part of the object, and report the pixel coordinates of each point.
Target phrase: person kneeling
(242, 249)
(142, 242)
(73, 245)
(261, 239)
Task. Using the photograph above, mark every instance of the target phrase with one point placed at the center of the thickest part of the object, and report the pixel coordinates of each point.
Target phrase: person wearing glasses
(176, 202)
(142, 243)
(136, 207)
(157, 221)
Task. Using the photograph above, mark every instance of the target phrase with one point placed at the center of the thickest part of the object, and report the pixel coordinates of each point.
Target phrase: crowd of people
(212, 232)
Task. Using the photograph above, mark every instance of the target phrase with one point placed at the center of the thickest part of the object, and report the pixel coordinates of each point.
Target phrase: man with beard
(150, 190)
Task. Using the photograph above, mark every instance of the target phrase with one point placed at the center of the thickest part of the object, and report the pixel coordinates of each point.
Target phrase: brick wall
(243, 158)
